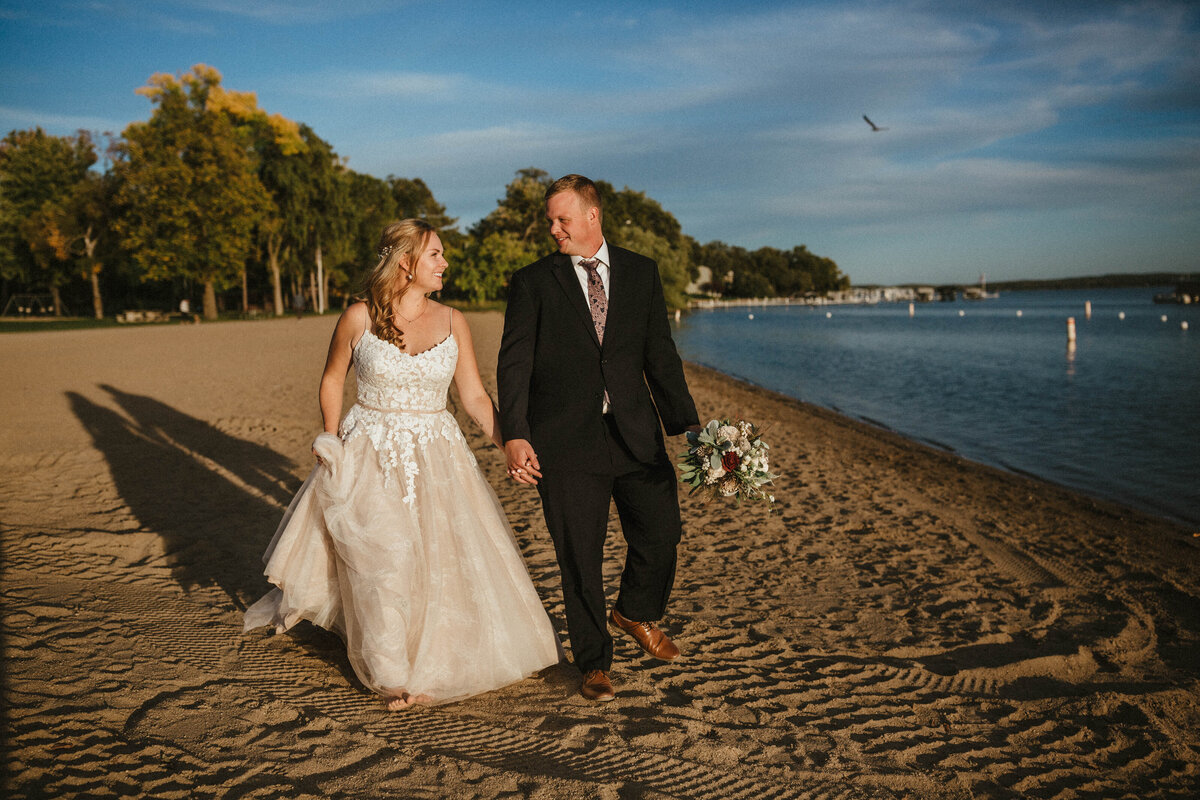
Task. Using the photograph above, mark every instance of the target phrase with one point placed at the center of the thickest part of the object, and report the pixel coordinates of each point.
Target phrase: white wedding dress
(399, 544)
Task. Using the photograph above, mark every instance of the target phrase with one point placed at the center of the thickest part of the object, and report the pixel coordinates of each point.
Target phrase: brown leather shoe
(596, 686)
(650, 638)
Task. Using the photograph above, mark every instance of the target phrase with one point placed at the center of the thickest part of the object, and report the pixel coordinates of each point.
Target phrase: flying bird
(874, 127)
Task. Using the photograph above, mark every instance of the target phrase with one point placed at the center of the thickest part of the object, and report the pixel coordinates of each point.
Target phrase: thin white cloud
(360, 86)
(57, 124)
(969, 187)
(86, 15)
(290, 12)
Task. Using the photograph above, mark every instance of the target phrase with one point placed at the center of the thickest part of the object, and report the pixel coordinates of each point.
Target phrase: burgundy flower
(731, 461)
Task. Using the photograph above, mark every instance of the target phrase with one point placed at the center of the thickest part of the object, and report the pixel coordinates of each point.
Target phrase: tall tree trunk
(210, 300)
(97, 301)
(94, 267)
(319, 282)
(245, 292)
(312, 288)
(58, 304)
(276, 284)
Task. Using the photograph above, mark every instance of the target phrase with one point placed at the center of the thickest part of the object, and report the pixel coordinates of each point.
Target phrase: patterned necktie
(596, 299)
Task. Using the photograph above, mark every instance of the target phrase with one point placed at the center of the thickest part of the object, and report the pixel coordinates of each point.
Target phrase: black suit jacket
(553, 371)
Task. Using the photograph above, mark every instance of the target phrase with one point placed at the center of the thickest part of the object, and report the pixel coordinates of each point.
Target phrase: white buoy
(1070, 329)
(912, 309)
(1183, 325)
(1121, 315)
(1087, 308)
(1019, 312)
(1164, 317)
(962, 313)
(828, 314)
(749, 316)
(677, 315)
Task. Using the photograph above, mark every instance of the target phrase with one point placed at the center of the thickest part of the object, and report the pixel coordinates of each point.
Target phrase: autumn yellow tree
(188, 191)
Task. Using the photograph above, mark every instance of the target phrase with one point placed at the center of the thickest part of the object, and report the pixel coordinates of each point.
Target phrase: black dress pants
(576, 503)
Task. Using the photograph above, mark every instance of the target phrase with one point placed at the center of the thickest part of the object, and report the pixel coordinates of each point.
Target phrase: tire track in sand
(201, 637)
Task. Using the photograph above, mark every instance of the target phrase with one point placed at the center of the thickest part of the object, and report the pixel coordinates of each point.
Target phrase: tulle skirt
(430, 594)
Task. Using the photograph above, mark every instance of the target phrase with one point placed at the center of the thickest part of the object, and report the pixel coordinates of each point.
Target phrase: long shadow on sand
(214, 499)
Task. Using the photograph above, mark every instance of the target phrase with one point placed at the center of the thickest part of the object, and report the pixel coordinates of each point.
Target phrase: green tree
(372, 207)
(522, 211)
(187, 187)
(414, 199)
(773, 265)
(820, 274)
(65, 236)
(329, 231)
(39, 174)
(485, 266)
(673, 261)
(639, 223)
(747, 283)
(628, 207)
(768, 272)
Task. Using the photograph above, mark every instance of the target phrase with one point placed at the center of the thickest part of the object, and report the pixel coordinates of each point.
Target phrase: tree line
(214, 199)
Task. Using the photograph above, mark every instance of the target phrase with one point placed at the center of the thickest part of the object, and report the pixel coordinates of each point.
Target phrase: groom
(586, 348)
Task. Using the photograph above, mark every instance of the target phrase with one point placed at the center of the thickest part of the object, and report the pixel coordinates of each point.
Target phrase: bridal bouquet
(727, 459)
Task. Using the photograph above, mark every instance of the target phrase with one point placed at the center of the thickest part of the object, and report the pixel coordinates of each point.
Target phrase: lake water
(1117, 416)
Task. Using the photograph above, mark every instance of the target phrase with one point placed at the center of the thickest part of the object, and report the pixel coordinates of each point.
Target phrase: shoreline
(905, 622)
(1186, 525)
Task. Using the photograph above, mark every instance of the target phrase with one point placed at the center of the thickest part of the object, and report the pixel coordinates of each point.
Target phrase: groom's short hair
(578, 184)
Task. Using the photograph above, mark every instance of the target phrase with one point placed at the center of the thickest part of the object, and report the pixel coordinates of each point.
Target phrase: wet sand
(905, 624)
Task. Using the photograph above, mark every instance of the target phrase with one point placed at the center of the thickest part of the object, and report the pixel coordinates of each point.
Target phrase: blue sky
(1025, 139)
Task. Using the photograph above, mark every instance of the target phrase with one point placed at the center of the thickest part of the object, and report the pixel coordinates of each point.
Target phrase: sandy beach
(905, 624)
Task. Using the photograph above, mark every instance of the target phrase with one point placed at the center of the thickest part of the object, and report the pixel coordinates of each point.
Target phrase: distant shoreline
(872, 293)
(1130, 280)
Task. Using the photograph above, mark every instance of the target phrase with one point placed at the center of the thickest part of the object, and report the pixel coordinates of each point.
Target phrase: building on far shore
(884, 294)
(702, 283)
(856, 295)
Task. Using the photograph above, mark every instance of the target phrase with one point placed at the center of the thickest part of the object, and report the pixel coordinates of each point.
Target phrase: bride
(396, 541)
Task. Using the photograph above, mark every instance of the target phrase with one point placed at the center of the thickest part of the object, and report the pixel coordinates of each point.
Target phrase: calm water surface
(1117, 416)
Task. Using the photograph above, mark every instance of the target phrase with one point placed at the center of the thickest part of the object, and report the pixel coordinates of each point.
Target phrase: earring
(410, 275)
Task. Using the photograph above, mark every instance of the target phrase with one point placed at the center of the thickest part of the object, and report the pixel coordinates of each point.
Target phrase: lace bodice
(391, 379)
(401, 402)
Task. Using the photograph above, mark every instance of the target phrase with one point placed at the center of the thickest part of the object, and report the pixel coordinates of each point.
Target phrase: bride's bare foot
(400, 703)
(406, 700)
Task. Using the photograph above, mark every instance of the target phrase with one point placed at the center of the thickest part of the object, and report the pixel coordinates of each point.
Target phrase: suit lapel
(569, 281)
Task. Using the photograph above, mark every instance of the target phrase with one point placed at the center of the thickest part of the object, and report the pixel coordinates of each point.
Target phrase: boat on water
(979, 292)
(1186, 293)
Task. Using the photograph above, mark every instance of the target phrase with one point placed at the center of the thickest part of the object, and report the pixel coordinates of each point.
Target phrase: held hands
(523, 464)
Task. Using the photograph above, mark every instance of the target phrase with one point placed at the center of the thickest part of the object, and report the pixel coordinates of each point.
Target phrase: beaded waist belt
(398, 410)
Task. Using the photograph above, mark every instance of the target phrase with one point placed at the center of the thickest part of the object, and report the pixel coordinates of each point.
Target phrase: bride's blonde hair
(400, 245)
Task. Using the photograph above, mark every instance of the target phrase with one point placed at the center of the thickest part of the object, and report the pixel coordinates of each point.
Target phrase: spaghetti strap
(361, 334)
(451, 310)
